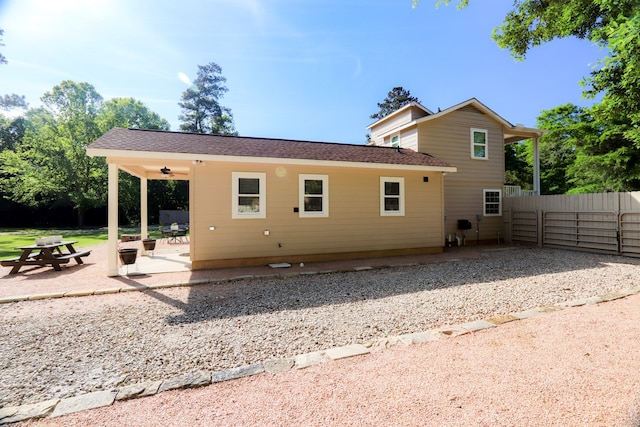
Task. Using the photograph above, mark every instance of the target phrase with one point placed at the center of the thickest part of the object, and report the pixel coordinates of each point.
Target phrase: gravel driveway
(64, 347)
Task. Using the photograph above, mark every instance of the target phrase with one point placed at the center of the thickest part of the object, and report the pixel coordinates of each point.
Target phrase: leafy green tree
(397, 98)
(201, 109)
(51, 165)
(129, 113)
(517, 170)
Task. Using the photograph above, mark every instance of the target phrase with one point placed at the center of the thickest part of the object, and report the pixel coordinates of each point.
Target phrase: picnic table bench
(50, 254)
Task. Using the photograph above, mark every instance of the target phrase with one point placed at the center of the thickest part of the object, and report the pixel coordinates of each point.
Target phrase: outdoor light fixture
(165, 171)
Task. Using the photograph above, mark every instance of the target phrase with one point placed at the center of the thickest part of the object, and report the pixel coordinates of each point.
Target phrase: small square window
(248, 192)
(479, 144)
(492, 202)
(314, 196)
(391, 196)
(395, 140)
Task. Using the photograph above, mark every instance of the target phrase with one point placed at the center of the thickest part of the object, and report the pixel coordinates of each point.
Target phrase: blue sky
(299, 69)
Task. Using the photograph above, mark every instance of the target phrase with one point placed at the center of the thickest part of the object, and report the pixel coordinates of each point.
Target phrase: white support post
(143, 208)
(536, 166)
(112, 246)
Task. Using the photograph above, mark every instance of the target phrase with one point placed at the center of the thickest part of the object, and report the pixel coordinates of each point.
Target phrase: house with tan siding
(471, 137)
(255, 201)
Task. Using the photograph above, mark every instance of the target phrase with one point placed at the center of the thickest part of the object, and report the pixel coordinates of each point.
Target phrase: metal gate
(630, 233)
(583, 230)
(610, 232)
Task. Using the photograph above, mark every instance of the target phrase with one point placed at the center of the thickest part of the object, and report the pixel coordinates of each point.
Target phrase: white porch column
(536, 166)
(112, 246)
(143, 208)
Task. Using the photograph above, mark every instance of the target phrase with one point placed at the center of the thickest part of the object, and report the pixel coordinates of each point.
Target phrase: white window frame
(485, 204)
(383, 211)
(325, 196)
(391, 140)
(486, 144)
(262, 197)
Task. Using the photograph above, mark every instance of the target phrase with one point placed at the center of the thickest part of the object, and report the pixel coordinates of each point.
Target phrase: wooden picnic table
(51, 254)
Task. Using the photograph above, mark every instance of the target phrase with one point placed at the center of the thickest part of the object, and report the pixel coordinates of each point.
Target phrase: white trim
(486, 144)
(383, 195)
(120, 155)
(262, 196)
(325, 196)
(484, 202)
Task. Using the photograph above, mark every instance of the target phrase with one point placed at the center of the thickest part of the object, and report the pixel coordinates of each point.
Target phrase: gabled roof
(412, 104)
(119, 142)
(511, 133)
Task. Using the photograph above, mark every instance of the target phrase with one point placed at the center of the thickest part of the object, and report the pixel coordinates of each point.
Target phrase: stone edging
(60, 407)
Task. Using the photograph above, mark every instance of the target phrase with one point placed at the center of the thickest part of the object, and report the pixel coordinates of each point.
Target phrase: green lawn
(13, 238)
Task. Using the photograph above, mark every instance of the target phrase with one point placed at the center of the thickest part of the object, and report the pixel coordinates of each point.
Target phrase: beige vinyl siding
(449, 138)
(389, 125)
(464, 200)
(354, 223)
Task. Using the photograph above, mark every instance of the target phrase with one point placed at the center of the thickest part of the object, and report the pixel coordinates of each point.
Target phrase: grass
(10, 239)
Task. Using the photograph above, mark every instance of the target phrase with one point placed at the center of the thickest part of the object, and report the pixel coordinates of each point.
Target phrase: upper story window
(394, 141)
(391, 196)
(492, 202)
(249, 195)
(314, 196)
(479, 144)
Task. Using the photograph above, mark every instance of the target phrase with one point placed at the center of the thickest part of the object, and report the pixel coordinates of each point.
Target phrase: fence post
(540, 227)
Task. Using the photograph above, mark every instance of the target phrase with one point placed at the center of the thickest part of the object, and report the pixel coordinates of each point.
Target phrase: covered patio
(156, 167)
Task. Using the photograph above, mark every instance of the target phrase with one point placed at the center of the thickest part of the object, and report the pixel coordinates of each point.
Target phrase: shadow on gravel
(256, 296)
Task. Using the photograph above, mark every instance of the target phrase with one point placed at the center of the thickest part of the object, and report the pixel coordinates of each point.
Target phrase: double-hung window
(249, 195)
(391, 196)
(479, 144)
(313, 196)
(492, 202)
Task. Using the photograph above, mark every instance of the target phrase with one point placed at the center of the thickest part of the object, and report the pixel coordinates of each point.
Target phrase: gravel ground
(64, 347)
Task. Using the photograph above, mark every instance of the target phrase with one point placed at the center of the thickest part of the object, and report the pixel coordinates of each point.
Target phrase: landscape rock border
(60, 407)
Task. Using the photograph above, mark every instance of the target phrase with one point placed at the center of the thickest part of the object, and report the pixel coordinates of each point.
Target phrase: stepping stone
(302, 361)
(278, 365)
(84, 402)
(501, 319)
(195, 379)
(20, 413)
(526, 314)
(420, 337)
(148, 388)
(239, 372)
(346, 351)
(477, 325)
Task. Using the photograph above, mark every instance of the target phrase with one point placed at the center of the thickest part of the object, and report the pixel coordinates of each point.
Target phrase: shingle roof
(139, 140)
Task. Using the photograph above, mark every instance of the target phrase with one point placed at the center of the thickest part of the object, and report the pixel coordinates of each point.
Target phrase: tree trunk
(81, 212)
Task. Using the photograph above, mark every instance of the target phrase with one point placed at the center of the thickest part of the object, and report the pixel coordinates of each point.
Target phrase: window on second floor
(314, 196)
(395, 140)
(479, 144)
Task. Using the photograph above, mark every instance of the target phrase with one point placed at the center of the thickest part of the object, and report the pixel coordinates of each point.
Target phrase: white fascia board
(114, 154)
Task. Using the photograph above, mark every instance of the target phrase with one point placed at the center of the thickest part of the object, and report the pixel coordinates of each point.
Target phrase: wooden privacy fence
(605, 222)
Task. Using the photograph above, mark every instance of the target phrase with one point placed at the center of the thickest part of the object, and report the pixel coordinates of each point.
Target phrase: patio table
(50, 254)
